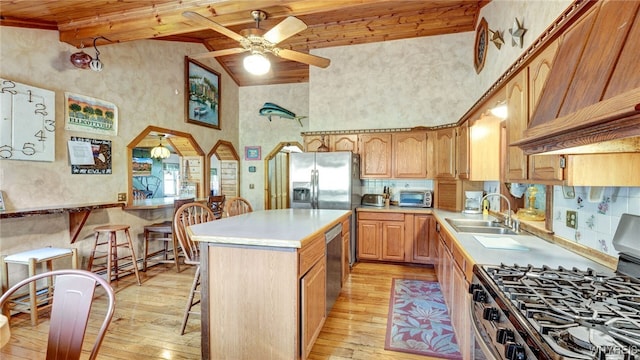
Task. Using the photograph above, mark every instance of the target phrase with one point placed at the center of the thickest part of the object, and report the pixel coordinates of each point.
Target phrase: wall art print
(101, 150)
(87, 114)
(202, 94)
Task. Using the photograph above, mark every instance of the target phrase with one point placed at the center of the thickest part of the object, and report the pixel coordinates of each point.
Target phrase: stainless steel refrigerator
(326, 180)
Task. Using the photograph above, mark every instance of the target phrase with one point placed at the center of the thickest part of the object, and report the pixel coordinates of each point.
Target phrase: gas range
(541, 312)
(556, 313)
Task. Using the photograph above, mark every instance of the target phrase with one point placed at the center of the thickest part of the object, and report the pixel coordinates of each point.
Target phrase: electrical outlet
(572, 219)
(251, 186)
(122, 196)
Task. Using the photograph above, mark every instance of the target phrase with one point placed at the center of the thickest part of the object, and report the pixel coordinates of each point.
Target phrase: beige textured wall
(259, 131)
(418, 82)
(145, 79)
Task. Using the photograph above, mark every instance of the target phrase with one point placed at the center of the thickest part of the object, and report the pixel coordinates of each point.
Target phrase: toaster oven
(415, 198)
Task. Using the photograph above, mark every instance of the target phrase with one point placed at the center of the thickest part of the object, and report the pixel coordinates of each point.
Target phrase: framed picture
(91, 115)
(202, 94)
(252, 152)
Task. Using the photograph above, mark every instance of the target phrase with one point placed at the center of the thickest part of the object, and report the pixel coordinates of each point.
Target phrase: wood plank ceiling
(330, 23)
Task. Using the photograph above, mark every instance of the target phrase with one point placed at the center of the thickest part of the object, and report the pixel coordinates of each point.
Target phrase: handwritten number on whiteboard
(7, 86)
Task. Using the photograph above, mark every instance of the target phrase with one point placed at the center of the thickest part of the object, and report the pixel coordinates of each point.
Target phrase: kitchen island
(264, 282)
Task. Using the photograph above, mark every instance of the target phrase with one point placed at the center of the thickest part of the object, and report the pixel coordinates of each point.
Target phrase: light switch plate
(572, 219)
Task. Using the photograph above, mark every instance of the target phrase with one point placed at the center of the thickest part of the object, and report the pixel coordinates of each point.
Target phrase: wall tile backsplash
(376, 186)
(598, 213)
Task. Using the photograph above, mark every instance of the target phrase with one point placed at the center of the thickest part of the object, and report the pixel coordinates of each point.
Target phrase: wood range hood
(591, 101)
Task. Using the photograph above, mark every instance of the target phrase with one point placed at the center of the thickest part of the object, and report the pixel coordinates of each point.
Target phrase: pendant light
(160, 152)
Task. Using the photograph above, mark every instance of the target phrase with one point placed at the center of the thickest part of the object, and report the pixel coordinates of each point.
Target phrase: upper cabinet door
(517, 120)
(375, 155)
(312, 142)
(462, 142)
(410, 155)
(445, 149)
(344, 142)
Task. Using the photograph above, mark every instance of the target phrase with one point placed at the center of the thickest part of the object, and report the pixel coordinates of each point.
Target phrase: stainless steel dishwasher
(333, 250)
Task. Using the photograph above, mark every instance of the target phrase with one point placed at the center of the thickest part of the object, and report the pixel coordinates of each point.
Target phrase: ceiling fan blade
(285, 29)
(217, 53)
(204, 21)
(304, 58)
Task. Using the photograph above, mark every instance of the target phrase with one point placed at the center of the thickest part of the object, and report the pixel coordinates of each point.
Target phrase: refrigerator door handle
(312, 190)
(314, 204)
(317, 189)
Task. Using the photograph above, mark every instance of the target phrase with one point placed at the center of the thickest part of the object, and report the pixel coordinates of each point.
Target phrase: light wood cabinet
(410, 155)
(463, 151)
(445, 154)
(344, 142)
(393, 240)
(460, 316)
(485, 149)
(375, 155)
(335, 142)
(517, 120)
(311, 143)
(424, 239)
(542, 167)
(523, 94)
(451, 270)
(313, 310)
(381, 236)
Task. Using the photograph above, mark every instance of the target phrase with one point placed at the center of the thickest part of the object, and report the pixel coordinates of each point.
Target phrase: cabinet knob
(505, 335)
(491, 314)
(515, 351)
(479, 296)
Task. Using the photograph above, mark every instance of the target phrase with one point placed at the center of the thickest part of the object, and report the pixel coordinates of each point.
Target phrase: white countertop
(540, 252)
(277, 228)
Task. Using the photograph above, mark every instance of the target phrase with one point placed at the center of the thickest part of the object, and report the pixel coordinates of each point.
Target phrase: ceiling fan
(259, 42)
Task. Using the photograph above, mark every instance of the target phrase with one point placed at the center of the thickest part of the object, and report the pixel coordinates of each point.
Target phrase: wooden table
(78, 214)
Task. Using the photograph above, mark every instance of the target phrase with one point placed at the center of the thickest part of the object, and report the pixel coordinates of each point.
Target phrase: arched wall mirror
(276, 175)
(223, 177)
(177, 173)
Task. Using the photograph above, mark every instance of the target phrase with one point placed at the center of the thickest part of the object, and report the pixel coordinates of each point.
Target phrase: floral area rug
(419, 321)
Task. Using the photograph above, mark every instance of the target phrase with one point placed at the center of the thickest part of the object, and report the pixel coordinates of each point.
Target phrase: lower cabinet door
(313, 301)
(393, 240)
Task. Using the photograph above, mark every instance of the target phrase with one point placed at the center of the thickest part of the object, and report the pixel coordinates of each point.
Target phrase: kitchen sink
(480, 227)
(473, 222)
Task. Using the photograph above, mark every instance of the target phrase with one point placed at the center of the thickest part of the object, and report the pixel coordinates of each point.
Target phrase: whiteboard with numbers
(27, 122)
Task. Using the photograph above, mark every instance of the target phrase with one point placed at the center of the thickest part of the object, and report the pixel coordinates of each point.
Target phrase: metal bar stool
(38, 298)
(113, 261)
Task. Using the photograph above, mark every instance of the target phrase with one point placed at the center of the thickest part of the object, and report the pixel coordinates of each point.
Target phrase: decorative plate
(480, 48)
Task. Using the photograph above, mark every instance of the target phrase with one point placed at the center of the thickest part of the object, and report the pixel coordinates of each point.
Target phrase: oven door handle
(479, 339)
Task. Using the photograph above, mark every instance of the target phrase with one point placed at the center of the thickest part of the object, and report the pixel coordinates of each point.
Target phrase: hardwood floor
(147, 319)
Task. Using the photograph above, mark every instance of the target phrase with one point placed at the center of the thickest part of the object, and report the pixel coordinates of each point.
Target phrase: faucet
(507, 220)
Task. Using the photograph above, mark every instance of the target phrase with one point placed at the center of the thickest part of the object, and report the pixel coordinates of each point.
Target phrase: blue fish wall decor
(270, 109)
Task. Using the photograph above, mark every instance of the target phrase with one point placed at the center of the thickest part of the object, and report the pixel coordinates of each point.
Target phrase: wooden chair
(216, 204)
(72, 299)
(187, 215)
(236, 206)
(163, 232)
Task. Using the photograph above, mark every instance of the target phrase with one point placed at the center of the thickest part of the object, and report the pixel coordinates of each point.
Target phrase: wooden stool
(111, 253)
(37, 297)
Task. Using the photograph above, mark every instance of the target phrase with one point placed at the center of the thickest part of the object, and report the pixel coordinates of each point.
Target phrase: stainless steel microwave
(415, 198)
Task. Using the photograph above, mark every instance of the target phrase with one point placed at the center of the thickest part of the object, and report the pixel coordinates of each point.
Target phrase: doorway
(276, 180)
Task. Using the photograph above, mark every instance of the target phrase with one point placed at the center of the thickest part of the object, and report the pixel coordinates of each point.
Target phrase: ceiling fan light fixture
(257, 64)
(160, 152)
